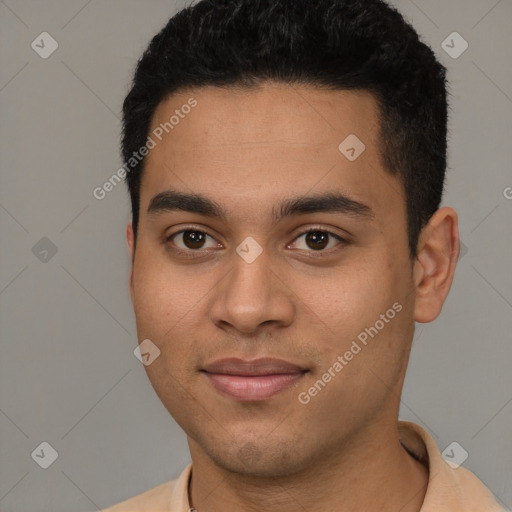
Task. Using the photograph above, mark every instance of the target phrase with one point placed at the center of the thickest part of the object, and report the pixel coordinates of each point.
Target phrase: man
(285, 161)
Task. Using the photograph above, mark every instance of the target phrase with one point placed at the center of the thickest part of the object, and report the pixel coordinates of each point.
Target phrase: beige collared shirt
(449, 489)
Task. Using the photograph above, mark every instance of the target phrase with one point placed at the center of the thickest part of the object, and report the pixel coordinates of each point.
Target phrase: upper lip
(262, 366)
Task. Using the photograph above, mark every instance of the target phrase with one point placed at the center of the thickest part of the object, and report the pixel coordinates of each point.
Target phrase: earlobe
(434, 269)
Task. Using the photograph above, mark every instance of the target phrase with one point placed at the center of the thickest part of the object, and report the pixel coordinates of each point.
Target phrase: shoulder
(170, 496)
(451, 487)
(155, 500)
(471, 491)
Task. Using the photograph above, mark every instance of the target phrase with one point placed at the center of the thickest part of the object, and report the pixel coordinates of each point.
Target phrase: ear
(130, 239)
(434, 268)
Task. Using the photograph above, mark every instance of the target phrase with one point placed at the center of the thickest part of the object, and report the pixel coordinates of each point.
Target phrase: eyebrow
(171, 200)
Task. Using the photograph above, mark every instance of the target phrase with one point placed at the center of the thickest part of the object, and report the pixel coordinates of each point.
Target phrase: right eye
(190, 240)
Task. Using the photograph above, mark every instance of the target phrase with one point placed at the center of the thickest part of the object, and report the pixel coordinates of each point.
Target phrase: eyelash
(320, 253)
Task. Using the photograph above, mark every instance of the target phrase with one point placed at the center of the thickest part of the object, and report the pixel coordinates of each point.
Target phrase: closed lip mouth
(253, 368)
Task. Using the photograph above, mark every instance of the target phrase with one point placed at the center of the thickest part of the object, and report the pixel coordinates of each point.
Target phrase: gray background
(68, 375)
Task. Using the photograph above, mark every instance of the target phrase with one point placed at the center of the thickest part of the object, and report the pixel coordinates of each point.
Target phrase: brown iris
(193, 239)
(317, 239)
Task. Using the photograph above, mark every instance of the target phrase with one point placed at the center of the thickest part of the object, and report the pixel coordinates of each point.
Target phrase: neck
(372, 471)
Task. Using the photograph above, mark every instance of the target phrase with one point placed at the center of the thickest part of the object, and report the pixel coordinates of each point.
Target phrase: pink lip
(252, 380)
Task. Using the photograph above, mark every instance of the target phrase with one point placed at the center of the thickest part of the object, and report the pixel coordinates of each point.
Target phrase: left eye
(317, 240)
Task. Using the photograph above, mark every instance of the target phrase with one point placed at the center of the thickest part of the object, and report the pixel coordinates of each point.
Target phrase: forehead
(272, 141)
(269, 113)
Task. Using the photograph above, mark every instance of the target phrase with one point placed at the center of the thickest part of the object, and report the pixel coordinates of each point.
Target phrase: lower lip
(253, 388)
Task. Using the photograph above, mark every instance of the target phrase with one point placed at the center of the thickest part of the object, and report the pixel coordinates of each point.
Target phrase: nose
(252, 295)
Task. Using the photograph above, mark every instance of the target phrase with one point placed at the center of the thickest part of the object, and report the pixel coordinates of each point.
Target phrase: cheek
(365, 304)
(170, 308)
(348, 298)
(162, 295)
(164, 308)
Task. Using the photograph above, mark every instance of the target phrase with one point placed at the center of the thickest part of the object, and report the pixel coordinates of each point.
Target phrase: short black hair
(333, 44)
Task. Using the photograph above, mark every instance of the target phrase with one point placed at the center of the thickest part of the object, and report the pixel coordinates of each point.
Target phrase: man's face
(285, 294)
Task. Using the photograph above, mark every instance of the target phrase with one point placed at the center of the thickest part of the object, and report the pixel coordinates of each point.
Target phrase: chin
(258, 460)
